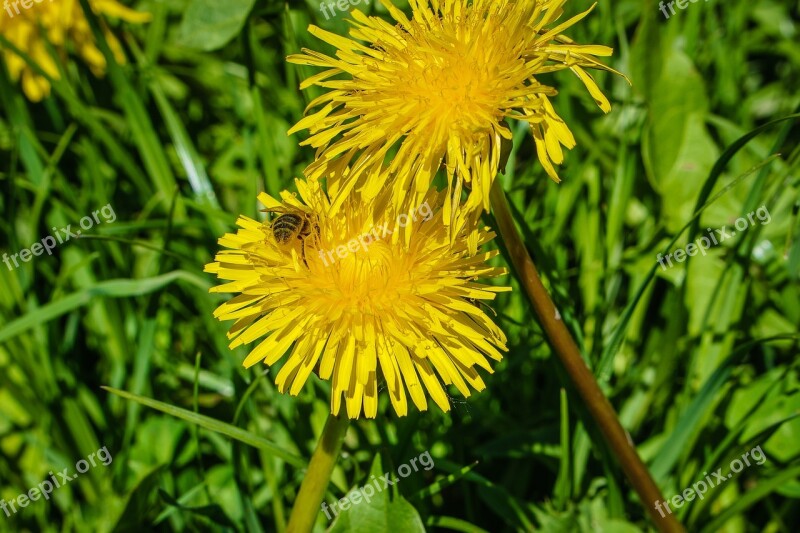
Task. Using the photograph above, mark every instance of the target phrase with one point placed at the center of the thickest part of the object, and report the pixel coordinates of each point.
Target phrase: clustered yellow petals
(399, 309)
(401, 102)
(59, 23)
(438, 88)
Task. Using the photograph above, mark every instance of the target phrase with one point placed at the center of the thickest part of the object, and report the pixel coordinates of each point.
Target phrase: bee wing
(281, 210)
(288, 211)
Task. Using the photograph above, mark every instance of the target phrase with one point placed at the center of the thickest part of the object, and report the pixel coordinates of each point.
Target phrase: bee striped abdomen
(287, 227)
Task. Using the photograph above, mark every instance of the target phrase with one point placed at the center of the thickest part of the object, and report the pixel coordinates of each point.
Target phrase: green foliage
(209, 25)
(383, 512)
(700, 359)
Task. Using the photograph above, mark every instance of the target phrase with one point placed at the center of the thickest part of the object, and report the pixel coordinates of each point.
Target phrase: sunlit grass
(700, 360)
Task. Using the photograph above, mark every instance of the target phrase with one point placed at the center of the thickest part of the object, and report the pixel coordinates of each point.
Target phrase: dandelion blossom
(439, 87)
(365, 296)
(57, 23)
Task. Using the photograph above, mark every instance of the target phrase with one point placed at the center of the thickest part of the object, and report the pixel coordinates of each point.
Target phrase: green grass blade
(679, 441)
(439, 485)
(454, 524)
(119, 288)
(214, 425)
(724, 159)
(144, 134)
(750, 498)
(603, 370)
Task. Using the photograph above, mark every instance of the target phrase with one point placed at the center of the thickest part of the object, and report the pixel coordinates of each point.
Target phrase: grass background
(700, 360)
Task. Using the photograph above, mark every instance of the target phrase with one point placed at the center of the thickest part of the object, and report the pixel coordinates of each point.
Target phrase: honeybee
(291, 225)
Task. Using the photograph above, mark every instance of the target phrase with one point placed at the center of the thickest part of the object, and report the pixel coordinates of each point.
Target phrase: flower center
(452, 76)
(455, 91)
(370, 280)
(367, 281)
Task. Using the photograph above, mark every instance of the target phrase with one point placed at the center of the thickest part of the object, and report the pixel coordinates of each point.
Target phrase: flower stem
(582, 378)
(312, 489)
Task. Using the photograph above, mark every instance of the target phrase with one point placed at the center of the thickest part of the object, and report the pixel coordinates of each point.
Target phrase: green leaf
(208, 24)
(380, 514)
(784, 445)
(678, 151)
(213, 512)
(142, 503)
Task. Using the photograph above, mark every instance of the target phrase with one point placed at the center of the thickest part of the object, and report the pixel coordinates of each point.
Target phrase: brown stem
(582, 378)
(312, 489)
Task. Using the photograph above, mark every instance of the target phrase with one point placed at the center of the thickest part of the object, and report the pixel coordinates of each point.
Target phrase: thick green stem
(582, 378)
(312, 490)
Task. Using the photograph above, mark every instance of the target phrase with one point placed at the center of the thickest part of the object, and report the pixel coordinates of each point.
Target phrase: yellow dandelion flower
(362, 296)
(57, 22)
(439, 87)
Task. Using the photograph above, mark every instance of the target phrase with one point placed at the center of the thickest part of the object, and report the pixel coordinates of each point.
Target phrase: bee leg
(303, 252)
